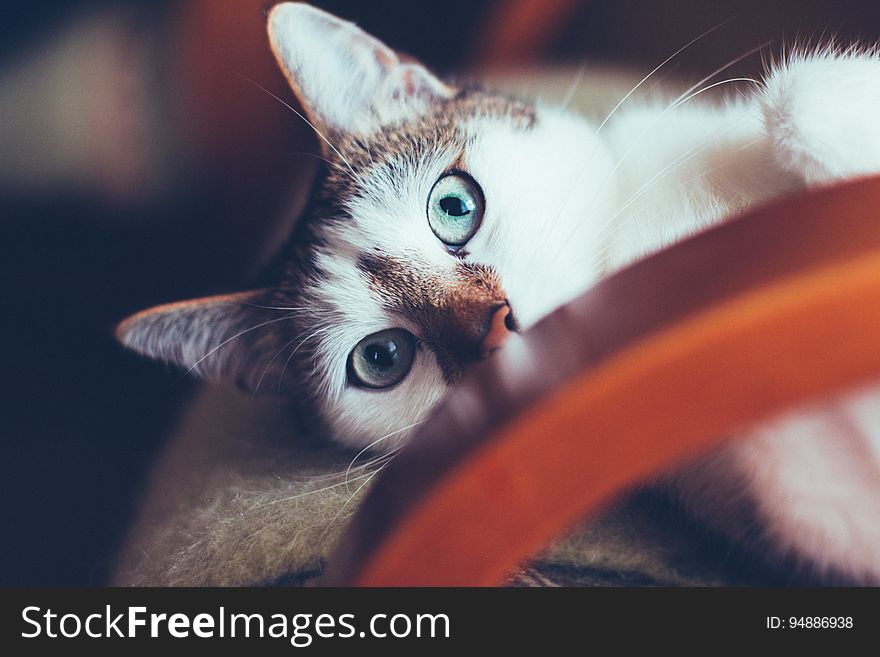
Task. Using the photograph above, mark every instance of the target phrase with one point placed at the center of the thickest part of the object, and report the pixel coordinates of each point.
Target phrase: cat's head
(446, 219)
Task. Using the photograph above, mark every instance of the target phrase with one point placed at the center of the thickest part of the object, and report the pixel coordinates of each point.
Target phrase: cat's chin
(803, 490)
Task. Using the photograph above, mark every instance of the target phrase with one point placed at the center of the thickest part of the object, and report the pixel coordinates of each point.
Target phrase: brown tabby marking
(453, 312)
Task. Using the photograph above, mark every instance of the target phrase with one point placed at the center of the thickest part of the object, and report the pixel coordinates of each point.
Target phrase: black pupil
(380, 357)
(454, 206)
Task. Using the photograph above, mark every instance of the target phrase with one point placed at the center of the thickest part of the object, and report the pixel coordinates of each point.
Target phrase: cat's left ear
(347, 80)
(231, 337)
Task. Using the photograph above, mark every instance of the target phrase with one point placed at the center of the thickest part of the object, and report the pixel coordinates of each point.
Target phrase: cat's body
(448, 219)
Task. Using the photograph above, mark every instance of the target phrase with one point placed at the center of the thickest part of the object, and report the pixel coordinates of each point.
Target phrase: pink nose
(499, 331)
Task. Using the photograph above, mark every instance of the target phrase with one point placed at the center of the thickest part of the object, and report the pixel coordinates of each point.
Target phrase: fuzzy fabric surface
(234, 501)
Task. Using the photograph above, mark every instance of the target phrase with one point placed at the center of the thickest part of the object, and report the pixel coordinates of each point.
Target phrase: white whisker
(572, 88)
(234, 337)
(646, 187)
(363, 466)
(678, 161)
(292, 309)
(293, 353)
(369, 478)
(298, 496)
(672, 105)
(688, 95)
(378, 440)
(657, 68)
(269, 364)
(320, 134)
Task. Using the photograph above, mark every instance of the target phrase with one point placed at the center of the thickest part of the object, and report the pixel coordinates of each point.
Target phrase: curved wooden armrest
(775, 308)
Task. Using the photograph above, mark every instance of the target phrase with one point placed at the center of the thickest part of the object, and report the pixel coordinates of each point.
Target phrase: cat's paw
(822, 113)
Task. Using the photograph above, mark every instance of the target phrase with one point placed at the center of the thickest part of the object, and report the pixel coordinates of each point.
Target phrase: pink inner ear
(414, 79)
(346, 79)
(410, 84)
(384, 56)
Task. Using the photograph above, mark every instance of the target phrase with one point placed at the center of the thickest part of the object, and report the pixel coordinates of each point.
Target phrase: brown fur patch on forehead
(441, 128)
(452, 311)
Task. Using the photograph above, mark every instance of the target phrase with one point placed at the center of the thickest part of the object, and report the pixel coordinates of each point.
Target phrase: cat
(449, 218)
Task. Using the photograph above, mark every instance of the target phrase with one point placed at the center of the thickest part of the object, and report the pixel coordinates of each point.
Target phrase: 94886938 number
(809, 622)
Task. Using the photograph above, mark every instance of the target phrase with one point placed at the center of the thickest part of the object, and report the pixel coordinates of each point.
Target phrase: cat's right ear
(346, 80)
(230, 337)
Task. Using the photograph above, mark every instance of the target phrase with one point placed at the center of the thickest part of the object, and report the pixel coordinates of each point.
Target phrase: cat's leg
(805, 486)
(822, 115)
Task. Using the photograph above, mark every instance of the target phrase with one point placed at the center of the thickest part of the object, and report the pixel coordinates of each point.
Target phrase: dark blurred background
(139, 165)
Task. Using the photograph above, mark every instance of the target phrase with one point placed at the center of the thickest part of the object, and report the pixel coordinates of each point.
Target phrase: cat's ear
(232, 337)
(347, 80)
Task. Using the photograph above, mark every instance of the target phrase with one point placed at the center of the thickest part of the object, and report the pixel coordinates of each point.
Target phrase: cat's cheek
(383, 419)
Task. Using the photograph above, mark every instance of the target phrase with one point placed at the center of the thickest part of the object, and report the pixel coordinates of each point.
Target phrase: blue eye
(382, 359)
(455, 209)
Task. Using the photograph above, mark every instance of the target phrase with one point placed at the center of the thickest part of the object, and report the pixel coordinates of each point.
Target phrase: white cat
(449, 217)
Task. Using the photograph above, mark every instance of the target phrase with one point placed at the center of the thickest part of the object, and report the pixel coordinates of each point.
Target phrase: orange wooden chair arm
(772, 309)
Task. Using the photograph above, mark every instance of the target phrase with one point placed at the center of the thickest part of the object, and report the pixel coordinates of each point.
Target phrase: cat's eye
(455, 209)
(382, 359)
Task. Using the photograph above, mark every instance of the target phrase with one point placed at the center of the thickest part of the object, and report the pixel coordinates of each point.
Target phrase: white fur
(805, 485)
(567, 203)
(565, 206)
(821, 111)
(546, 197)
